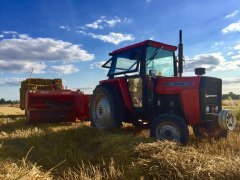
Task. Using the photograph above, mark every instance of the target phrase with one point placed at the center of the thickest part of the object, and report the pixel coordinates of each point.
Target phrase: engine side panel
(187, 88)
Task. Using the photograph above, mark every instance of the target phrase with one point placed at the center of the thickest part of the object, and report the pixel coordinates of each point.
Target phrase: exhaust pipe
(180, 54)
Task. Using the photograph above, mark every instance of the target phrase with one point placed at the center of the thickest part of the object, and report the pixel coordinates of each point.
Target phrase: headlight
(207, 109)
(216, 109)
(212, 109)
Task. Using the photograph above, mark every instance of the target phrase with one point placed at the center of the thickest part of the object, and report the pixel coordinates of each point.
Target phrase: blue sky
(70, 39)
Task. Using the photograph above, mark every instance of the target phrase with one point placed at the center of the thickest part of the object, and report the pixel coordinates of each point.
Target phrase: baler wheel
(169, 127)
(204, 133)
(106, 108)
(27, 115)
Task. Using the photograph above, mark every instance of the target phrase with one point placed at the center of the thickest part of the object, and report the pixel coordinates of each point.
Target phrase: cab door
(136, 91)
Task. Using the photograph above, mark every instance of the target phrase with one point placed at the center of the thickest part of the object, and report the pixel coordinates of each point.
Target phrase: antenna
(30, 76)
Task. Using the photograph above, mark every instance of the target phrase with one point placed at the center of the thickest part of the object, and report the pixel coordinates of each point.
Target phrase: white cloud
(230, 53)
(24, 36)
(127, 20)
(14, 35)
(231, 85)
(212, 62)
(67, 28)
(233, 14)
(113, 22)
(96, 24)
(237, 47)
(64, 69)
(13, 81)
(22, 67)
(104, 22)
(217, 44)
(114, 38)
(9, 32)
(81, 32)
(97, 64)
(231, 81)
(234, 27)
(236, 57)
(41, 49)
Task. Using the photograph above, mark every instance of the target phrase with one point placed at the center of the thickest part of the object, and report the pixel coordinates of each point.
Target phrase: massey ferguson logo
(209, 95)
(188, 83)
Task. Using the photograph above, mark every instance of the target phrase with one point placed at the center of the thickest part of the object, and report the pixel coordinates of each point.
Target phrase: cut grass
(6, 110)
(77, 151)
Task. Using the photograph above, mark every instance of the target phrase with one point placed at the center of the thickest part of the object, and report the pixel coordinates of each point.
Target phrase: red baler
(56, 106)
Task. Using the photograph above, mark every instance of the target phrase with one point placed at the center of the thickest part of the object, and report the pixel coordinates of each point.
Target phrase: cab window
(160, 61)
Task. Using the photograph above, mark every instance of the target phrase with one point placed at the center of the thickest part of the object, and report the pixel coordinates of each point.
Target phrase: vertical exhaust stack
(180, 54)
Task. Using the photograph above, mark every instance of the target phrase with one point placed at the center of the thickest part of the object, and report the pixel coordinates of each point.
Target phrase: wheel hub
(168, 132)
(102, 112)
(227, 120)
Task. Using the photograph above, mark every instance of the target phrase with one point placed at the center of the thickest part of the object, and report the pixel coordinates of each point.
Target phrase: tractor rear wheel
(106, 108)
(169, 127)
(210, 133)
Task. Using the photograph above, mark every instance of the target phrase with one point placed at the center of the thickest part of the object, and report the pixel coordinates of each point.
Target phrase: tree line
(231, 95)
(3, 101)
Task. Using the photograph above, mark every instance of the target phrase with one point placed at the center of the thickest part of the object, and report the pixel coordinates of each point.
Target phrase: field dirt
(77, 151)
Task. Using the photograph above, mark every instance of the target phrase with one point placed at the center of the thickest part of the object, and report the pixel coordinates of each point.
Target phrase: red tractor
(145, 87)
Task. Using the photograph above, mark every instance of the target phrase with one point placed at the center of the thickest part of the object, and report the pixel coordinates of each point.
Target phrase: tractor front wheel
(169, 127)
(209, 133)
(106, 110)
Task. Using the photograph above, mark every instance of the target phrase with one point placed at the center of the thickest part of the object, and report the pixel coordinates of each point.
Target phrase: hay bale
(38, 84)
(57, 81)
(45, 87)
(48, 81)
(58, 87)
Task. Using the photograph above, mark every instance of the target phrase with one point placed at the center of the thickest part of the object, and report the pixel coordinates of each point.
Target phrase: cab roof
(146, 43)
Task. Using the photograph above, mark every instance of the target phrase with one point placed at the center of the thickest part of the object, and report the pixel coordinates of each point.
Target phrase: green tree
(2, 101)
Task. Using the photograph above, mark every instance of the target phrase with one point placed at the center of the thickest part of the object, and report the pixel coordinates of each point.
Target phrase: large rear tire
(106, 108)
(169, 127)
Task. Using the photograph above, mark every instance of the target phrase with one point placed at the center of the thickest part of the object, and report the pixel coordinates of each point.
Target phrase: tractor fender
(120, 84)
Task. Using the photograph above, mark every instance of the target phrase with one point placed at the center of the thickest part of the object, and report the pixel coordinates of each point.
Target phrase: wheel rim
(168, 131)
(101, 112)
(213, 133)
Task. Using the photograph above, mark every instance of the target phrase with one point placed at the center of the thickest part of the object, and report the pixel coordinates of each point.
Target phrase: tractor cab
(147, 58)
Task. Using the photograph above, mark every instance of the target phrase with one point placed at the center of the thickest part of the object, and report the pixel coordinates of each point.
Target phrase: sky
(70, 39)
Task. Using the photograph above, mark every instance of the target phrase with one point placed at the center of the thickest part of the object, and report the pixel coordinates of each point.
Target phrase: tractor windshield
(161, 61)
(125, 62)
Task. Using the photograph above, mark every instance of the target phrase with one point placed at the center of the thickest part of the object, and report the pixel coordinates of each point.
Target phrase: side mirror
(152, 72)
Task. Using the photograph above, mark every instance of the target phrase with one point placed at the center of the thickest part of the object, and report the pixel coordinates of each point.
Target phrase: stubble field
(77, 151)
